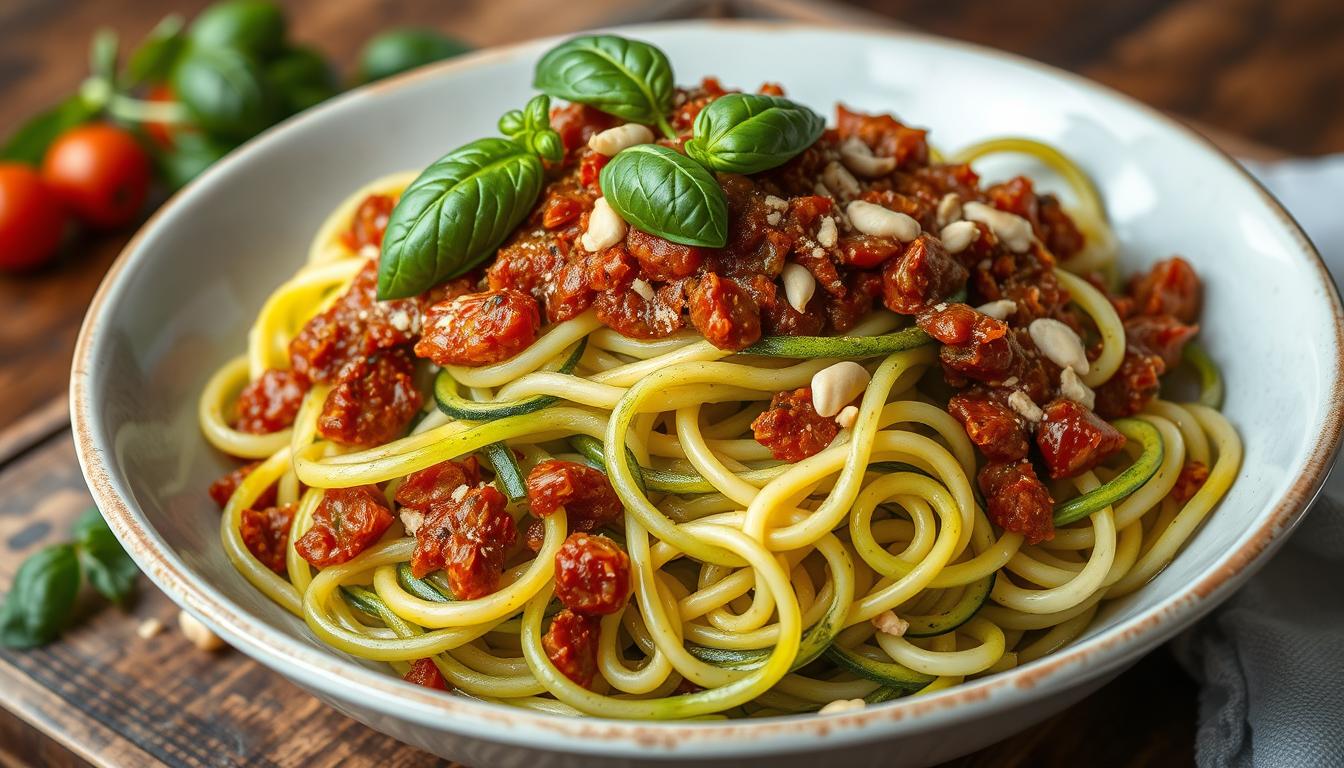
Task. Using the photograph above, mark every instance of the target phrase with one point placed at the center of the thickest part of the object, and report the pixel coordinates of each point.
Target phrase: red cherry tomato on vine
(32, 218)
(100, 172)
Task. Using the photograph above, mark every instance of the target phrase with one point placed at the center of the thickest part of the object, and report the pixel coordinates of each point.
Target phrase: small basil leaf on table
(667, 194)
(456, 213)
(749, 133)
(225, 92)
(625, 78)
(106, 565)
(399, 50)
(300, 78)
(254, 27)
(41, 599)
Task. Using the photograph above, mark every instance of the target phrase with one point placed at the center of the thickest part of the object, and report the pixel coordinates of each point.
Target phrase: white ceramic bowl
(179, 301)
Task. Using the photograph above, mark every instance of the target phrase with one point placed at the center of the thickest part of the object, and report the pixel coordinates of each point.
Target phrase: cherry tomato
(160, 133)
(100, 172)
(31, 218)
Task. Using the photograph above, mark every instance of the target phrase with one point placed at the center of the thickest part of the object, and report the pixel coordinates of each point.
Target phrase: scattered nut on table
(199, 634)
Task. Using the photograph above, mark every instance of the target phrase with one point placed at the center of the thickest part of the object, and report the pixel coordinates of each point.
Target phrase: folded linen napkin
(1270, 661)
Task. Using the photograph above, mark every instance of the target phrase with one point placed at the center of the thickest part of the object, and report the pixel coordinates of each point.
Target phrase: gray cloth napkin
(1270, 661)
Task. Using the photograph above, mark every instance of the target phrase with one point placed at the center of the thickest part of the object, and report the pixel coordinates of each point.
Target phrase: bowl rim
(337, 678)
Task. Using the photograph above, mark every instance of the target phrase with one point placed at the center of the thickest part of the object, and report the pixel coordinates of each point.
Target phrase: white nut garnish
(873, 219)
(605, 227)
(613, 140)
(799, 285)
(199, 634)
(1013, 230)
(778, 203)
(1059, 344)
(368, 252)
(858, 158)
(888, 623)
(842, 705)
(958, 235)
(827, 234)
(839, 179)
(149, 628)
(822, 190)
(1025, 407)
(1073, 388)
(835, 386)
(949, 209)
(999, 310)
(642, 287)
(411, 520)
(460, 493)
(847, 416)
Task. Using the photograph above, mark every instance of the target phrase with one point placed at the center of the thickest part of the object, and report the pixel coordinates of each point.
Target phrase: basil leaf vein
(667, 194)
(456, 213)
(626, 78)
(749, 133)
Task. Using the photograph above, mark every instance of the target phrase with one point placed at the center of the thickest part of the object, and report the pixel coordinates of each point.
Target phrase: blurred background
(1262, 78)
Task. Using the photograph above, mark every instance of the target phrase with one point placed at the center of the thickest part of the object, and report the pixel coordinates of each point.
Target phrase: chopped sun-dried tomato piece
(661, 259)
(1073, 439)
(571, 645)
(1017, 500)
(724, 313)
(435, 485)
(1132, 387)
(369, 222)
(479, 328)
(592, 575)
(584, 492)
(425, 672)
(996, 429)
(468, 536)
(265, 531)
(356, 325)
(791, 427)
(1171, 287)
(1193, 476)
(576, 123)
(270, 403)
(886, 136)
(346, 522)
(222, 489)
(373, 401)
(923, 276)
(1162, 335)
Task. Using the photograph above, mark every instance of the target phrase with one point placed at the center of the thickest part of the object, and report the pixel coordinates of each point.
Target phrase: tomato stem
(140, 111)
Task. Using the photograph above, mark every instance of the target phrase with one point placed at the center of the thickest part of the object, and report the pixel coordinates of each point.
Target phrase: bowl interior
(192, 282)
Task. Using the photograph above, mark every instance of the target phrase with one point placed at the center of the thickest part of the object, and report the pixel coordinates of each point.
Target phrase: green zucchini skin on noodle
(1210, 378)
(419, 587)
(1123, 484)
(888, 673)
(854, 347)
(462, 409)
(507, 471)
(973, 598)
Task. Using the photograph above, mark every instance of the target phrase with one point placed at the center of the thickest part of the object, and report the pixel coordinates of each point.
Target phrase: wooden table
(104, 696)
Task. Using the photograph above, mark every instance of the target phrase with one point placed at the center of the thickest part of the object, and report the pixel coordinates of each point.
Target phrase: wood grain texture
(104, 696)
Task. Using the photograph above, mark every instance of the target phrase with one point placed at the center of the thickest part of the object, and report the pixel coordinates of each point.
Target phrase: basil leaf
(224, 92)
(153, 60)
(39, 604)
(300, 78)
(456, 214)
(30, 142)
(749, 133)
(254, 27)
(399, 50)
(626, 78)
(106, 565)
(666, 194)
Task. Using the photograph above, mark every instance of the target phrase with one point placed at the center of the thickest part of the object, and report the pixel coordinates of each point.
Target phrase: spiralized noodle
(755, 582)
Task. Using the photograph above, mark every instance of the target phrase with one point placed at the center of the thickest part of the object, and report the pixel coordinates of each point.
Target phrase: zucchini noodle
(869, 569)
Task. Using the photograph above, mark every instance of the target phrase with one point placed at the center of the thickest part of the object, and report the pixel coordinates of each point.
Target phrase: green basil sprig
(42, 599)
(531, 126)
(749, 133)
(456, 214)
(626, 78)
(666, 193)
